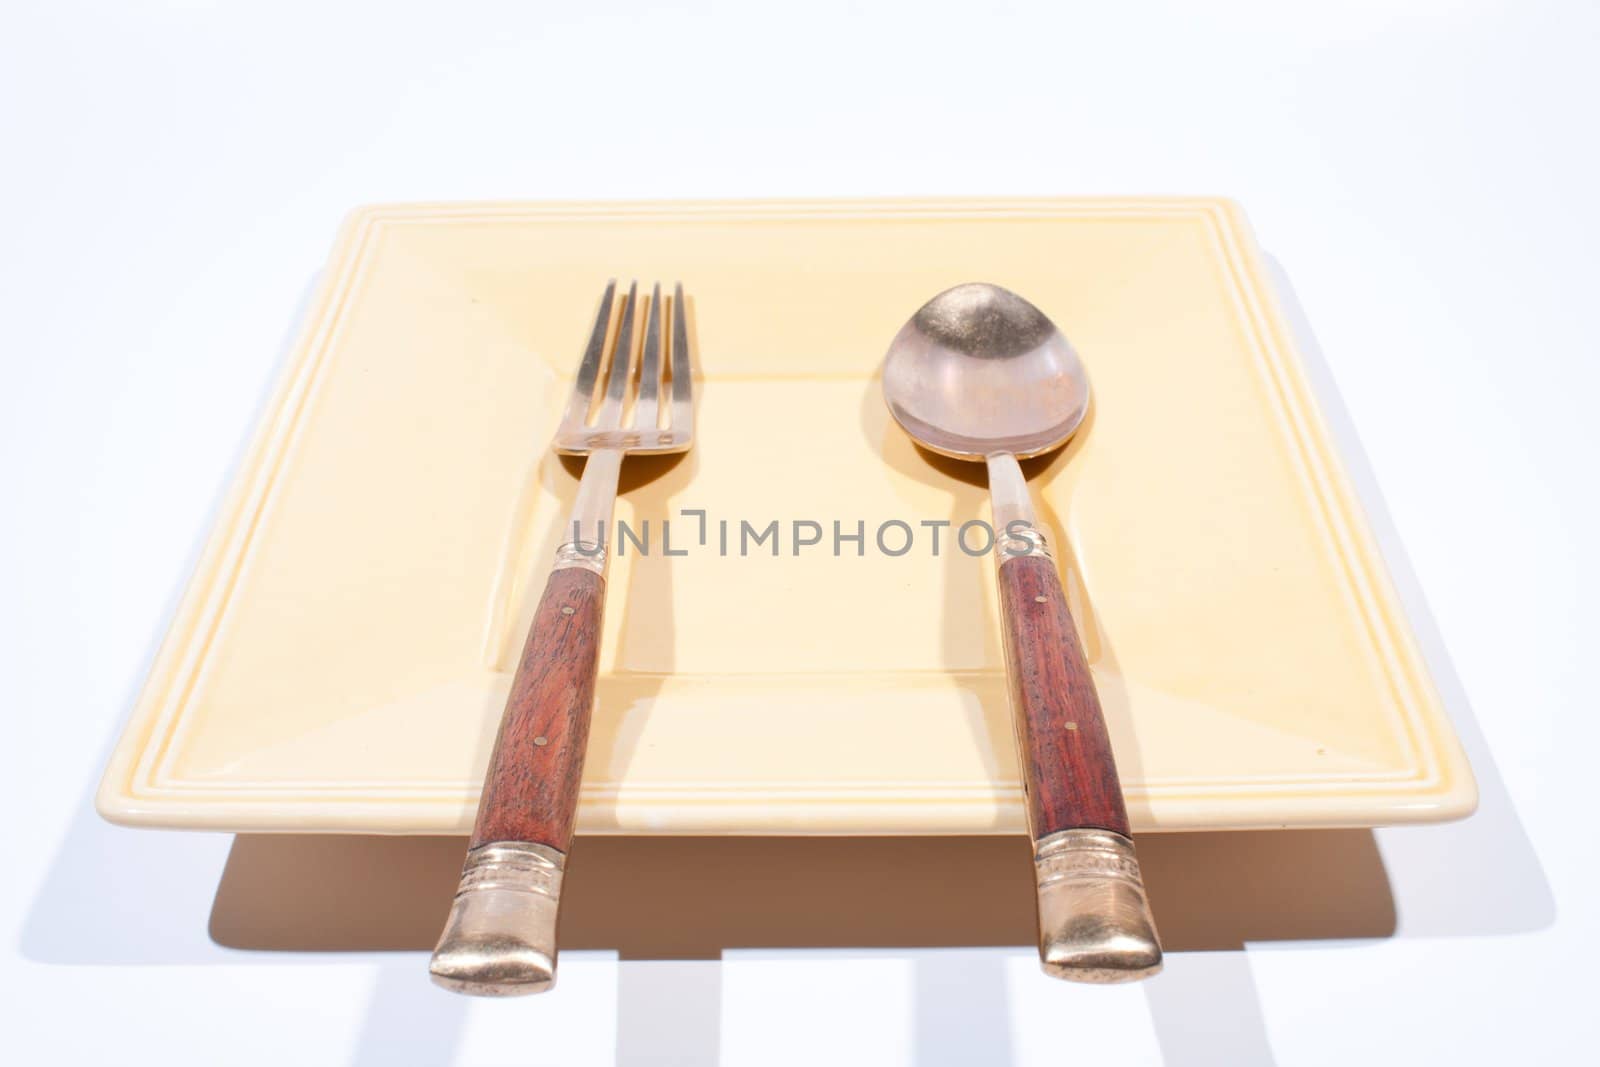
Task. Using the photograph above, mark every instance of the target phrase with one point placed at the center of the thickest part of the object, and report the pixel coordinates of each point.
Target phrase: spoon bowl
(980, 370)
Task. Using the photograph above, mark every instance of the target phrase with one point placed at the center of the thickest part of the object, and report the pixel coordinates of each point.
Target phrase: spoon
(981, 374)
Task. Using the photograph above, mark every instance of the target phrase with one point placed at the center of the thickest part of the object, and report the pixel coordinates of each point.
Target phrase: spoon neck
(1008, 493)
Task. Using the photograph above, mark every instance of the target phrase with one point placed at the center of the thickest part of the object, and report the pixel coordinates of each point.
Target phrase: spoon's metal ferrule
(500, 939)
(1016, 527)
(1094, 919)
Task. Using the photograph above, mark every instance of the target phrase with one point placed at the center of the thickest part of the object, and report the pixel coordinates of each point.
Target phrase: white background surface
(1424, 174)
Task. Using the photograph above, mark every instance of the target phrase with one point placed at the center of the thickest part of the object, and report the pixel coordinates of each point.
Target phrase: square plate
(341, 656)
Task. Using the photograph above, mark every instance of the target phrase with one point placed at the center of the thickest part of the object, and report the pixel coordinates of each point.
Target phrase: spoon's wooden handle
(1070, 771)
(1094, 921)
(500, 938)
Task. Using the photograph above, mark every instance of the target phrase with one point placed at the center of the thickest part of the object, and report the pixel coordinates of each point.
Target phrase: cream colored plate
(340, 658)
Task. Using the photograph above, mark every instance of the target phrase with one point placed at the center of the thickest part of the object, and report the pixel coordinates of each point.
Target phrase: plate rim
(1439, 787)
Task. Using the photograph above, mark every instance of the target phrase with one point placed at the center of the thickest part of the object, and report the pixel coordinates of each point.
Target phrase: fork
(500, 938)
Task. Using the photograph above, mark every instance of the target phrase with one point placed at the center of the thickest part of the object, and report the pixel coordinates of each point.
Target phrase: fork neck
(586, 538)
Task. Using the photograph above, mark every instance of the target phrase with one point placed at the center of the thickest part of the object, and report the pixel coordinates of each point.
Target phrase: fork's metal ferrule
(500, 939)
(586, 539)
(1016, 528)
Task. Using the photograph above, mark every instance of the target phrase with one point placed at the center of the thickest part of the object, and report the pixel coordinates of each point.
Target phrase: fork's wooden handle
(1094, 921)
(531, 792)
(500, 938)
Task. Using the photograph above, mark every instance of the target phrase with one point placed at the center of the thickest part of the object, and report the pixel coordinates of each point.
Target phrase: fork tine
(682, 379)
(646, 410)
(589, 368)
(610, 415)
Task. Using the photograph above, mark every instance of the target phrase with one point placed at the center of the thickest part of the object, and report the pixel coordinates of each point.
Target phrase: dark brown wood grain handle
(1067, 763)
(531, 791)
(1094, 917)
